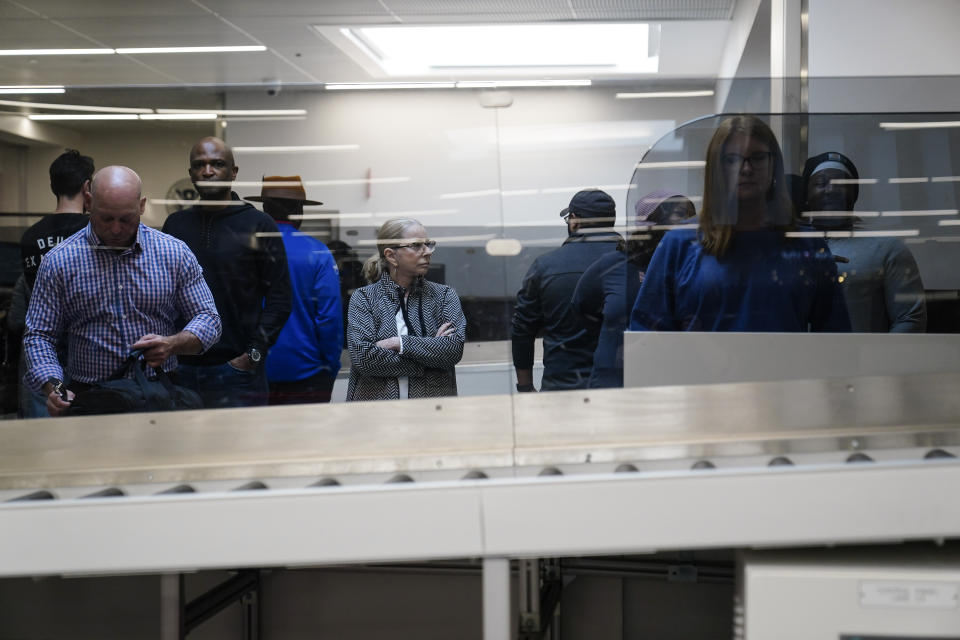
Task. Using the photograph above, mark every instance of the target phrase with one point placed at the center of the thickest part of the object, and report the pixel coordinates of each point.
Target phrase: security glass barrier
(499, 179)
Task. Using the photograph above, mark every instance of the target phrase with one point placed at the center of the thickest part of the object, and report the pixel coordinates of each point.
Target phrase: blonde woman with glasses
(405, 334)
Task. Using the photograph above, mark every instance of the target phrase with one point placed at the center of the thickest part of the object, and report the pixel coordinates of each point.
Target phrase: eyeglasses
(420, 246)
(756, 160)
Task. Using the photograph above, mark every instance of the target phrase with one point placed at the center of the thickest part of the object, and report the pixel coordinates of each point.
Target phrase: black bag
(119, 394)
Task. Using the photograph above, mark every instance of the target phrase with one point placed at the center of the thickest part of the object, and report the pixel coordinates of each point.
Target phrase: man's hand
(390, 344)
(446, 329)
(156, 349)
(56, 406)
(243, 363)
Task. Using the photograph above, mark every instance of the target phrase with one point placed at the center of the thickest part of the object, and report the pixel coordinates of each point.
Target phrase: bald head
(212, 143)
(211, 162)
(116, 202)
(116, 181)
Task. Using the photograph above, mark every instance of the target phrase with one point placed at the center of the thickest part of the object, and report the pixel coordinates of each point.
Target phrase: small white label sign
(910, 595)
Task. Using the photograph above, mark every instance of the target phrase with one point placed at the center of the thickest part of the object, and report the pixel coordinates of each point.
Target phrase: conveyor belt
(598, 472)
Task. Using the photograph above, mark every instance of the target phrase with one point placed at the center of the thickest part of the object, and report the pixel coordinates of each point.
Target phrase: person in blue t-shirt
(303, 364)
(743, 268)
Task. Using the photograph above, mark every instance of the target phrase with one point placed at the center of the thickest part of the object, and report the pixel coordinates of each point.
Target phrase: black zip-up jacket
(544, 307)
(245, 266)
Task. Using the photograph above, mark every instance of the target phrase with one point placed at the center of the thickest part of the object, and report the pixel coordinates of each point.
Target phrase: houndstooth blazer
(428, 361)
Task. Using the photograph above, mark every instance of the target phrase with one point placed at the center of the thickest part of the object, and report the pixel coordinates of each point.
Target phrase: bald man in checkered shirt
(114, 286)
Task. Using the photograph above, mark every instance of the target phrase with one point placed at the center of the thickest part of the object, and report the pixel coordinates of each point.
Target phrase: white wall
(159, 152)
(858, 38)
(459, 157)
(884, 55)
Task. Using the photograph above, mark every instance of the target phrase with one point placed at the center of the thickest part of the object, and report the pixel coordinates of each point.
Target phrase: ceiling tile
(144, 31)
(35, 33)
(312, 9)
(108, 9)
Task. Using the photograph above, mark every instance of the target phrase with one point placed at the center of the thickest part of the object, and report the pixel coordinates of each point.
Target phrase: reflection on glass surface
(489, 182)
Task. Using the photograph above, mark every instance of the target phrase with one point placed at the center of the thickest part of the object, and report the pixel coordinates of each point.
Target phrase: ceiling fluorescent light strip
(32, 89)
(121, 116)
(178, 116)
(224, 49)
(665, 94)
(83, 116)
(676, 164)
(498, 84)
(899, 126)
(72, 107)
(130, 51)
(242, 112)
(298, 149)
(56, 52)
(373, 86)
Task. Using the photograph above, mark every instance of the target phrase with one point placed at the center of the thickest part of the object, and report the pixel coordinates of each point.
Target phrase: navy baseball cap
(591, 203)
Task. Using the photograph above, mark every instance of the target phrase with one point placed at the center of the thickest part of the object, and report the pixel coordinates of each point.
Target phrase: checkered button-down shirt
(104, 300)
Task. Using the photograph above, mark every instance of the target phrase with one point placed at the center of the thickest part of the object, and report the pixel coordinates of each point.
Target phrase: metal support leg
(528, 586)
(496, 599)
(171, 607)
(540, 583)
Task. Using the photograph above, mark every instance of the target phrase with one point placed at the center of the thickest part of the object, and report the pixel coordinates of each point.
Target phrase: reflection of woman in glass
(607, 289)
(405, 333)
(739, 271)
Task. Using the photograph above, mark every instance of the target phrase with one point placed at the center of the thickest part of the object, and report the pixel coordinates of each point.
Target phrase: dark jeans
(310, 390)
(221, 385)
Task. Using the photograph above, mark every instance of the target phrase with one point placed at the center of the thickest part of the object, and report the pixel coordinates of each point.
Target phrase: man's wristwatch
(58, 386)
(254, 354)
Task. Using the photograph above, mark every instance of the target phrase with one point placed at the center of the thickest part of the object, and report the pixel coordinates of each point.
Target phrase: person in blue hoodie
(303, 363)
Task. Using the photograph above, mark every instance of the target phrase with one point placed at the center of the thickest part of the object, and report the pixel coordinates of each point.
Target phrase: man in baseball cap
(543, 302)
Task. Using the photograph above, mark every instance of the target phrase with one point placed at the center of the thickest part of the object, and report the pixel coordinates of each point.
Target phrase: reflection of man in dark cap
(879, 277)
(303, 364)
(543, 302)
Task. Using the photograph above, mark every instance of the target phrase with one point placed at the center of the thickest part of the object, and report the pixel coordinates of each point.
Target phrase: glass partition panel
(493, 176)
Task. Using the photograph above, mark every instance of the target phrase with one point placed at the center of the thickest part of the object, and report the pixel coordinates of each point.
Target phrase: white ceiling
(694, 34)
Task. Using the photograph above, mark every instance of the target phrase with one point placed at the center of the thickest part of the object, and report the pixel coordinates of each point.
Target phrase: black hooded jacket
(245, 266)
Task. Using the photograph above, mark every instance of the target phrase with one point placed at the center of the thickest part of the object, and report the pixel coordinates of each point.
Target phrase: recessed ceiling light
(404, 50)
(32, 89)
